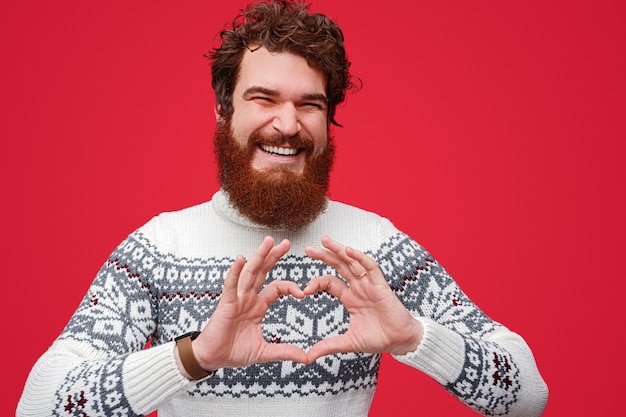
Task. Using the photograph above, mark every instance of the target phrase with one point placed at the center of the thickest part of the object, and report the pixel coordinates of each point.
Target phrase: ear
(217, 110)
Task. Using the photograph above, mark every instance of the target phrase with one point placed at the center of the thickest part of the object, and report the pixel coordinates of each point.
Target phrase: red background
(492, 132)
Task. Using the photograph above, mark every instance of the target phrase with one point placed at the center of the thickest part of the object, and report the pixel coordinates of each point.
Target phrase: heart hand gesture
(379, 322)
(233, 337)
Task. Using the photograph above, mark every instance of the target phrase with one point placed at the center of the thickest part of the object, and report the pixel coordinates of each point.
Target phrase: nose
(286, 120)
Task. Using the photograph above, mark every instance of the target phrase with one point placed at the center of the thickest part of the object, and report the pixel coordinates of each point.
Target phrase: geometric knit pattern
(166, 279)
(489, 386)
(122, 289)
(99, 392)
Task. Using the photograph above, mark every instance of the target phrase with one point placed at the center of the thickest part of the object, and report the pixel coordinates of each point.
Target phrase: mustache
(278, 139)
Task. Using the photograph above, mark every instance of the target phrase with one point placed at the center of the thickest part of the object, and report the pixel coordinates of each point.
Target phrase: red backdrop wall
(492, 132)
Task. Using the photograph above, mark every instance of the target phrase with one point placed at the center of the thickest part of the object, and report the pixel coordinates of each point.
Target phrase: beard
(277, 197)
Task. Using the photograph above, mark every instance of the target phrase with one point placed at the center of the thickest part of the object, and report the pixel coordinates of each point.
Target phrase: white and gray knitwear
(166, 278)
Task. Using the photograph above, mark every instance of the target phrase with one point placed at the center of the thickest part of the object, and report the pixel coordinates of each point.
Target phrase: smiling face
(281, 102)
(274, 152)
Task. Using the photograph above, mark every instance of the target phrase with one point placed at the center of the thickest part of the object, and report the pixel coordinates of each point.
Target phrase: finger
(277, 289)
(229, 291)
(370, 267)
(334, 246)
(273, 257)
(283, 352)
(269, 262)
(248, 277)
(333, 285)
(329, 258)
(343, 252)
(348, 266)
(337, 344)
(323, 255)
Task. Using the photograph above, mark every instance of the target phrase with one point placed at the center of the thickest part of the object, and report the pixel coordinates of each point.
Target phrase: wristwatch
(187, 357)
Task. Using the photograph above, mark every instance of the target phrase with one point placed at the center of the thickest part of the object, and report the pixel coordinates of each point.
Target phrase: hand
(379, 322)
(233, 337)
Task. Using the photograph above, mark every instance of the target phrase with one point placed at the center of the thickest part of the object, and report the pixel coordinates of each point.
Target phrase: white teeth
(280, 150)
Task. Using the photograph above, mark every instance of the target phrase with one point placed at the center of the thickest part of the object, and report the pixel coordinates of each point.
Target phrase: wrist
(416, 334)
(186, 359)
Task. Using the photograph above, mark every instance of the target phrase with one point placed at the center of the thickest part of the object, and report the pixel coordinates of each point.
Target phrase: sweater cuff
(440, 354)
(151, 377)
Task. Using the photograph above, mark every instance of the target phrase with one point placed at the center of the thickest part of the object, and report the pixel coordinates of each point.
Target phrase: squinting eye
(313, 106)
(262, 100)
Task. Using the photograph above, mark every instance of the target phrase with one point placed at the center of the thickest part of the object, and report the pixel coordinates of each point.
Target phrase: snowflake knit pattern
(166, 278)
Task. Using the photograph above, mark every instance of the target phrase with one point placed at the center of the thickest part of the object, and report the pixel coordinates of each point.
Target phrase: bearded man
(266, 333)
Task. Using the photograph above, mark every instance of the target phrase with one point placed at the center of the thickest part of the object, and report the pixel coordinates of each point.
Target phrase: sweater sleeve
(479, 361)
(98, 365)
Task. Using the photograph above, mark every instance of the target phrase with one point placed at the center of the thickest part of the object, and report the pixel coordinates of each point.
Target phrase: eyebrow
(273, 93)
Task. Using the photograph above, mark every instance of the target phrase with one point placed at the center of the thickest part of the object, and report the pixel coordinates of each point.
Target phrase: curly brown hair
(282, 26)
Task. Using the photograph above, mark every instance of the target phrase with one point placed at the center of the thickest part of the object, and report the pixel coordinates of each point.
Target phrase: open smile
(280, 150)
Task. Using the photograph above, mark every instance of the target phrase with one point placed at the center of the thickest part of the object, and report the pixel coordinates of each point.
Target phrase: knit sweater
(165, 279)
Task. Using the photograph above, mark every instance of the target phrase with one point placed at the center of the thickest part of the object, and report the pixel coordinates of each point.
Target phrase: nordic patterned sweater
(165, 279)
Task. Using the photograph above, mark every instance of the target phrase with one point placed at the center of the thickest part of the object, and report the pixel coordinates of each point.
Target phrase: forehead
(283, 72)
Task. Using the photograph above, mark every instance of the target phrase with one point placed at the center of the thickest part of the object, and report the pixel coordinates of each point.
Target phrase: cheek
(246, 121)
(318, 131)
(320, 142)
(240, 127)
